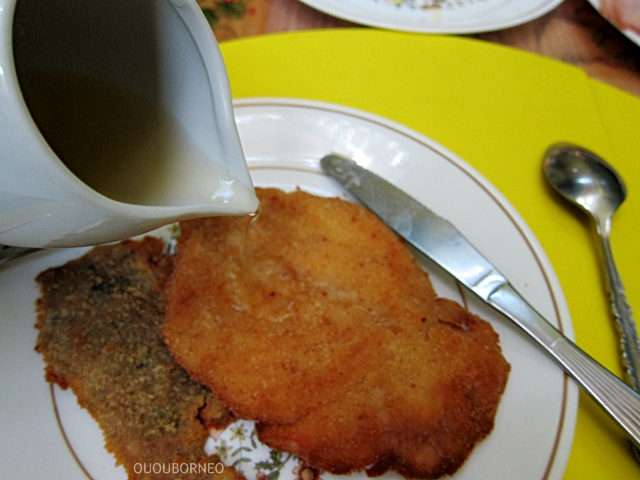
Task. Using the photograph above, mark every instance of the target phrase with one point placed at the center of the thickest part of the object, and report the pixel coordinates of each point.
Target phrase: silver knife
(443, 243)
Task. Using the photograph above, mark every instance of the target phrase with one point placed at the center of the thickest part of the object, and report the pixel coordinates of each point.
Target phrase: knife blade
(441, 241)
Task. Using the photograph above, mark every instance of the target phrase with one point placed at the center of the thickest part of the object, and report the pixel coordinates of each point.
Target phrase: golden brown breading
(99, 319)
(314, 319)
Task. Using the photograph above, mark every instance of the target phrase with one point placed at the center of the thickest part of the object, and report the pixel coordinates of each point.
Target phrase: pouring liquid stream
(124, 147)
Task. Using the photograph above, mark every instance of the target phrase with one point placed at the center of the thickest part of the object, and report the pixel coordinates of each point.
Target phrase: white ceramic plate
(44, 433)
(436, 16)
(634, 36)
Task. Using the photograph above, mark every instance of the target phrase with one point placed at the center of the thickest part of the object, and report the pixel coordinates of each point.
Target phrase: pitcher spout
(113, 128)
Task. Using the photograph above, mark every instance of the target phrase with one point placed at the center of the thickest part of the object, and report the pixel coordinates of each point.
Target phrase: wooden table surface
(574, 33)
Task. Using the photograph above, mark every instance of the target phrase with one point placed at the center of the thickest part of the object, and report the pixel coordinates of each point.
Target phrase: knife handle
(442, 242)
(620, 401)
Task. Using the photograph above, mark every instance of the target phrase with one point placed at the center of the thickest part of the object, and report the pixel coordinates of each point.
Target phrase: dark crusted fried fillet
(99, 319)
(316, 321)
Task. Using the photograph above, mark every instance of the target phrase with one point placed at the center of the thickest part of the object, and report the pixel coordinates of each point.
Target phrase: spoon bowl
(585, 179)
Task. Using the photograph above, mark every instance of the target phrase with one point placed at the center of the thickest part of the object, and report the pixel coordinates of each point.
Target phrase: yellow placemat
(498, 109)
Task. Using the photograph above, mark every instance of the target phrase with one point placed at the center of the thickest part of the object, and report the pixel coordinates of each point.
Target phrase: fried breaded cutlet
(315, 320)
(99, 321)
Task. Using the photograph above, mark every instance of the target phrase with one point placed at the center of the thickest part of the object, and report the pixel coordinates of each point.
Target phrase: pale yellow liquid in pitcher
(124, 147)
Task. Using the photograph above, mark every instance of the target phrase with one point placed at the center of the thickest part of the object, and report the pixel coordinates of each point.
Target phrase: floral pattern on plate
(238, 446)
(436, 16)
(231, 19)
(426, 4)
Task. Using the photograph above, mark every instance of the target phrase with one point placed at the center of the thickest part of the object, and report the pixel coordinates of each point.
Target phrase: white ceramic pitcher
(115, 119)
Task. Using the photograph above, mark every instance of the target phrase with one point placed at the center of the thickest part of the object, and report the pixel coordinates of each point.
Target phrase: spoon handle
(629, 342)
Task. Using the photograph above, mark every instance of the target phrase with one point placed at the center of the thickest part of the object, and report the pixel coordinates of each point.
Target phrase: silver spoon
(588, 181)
